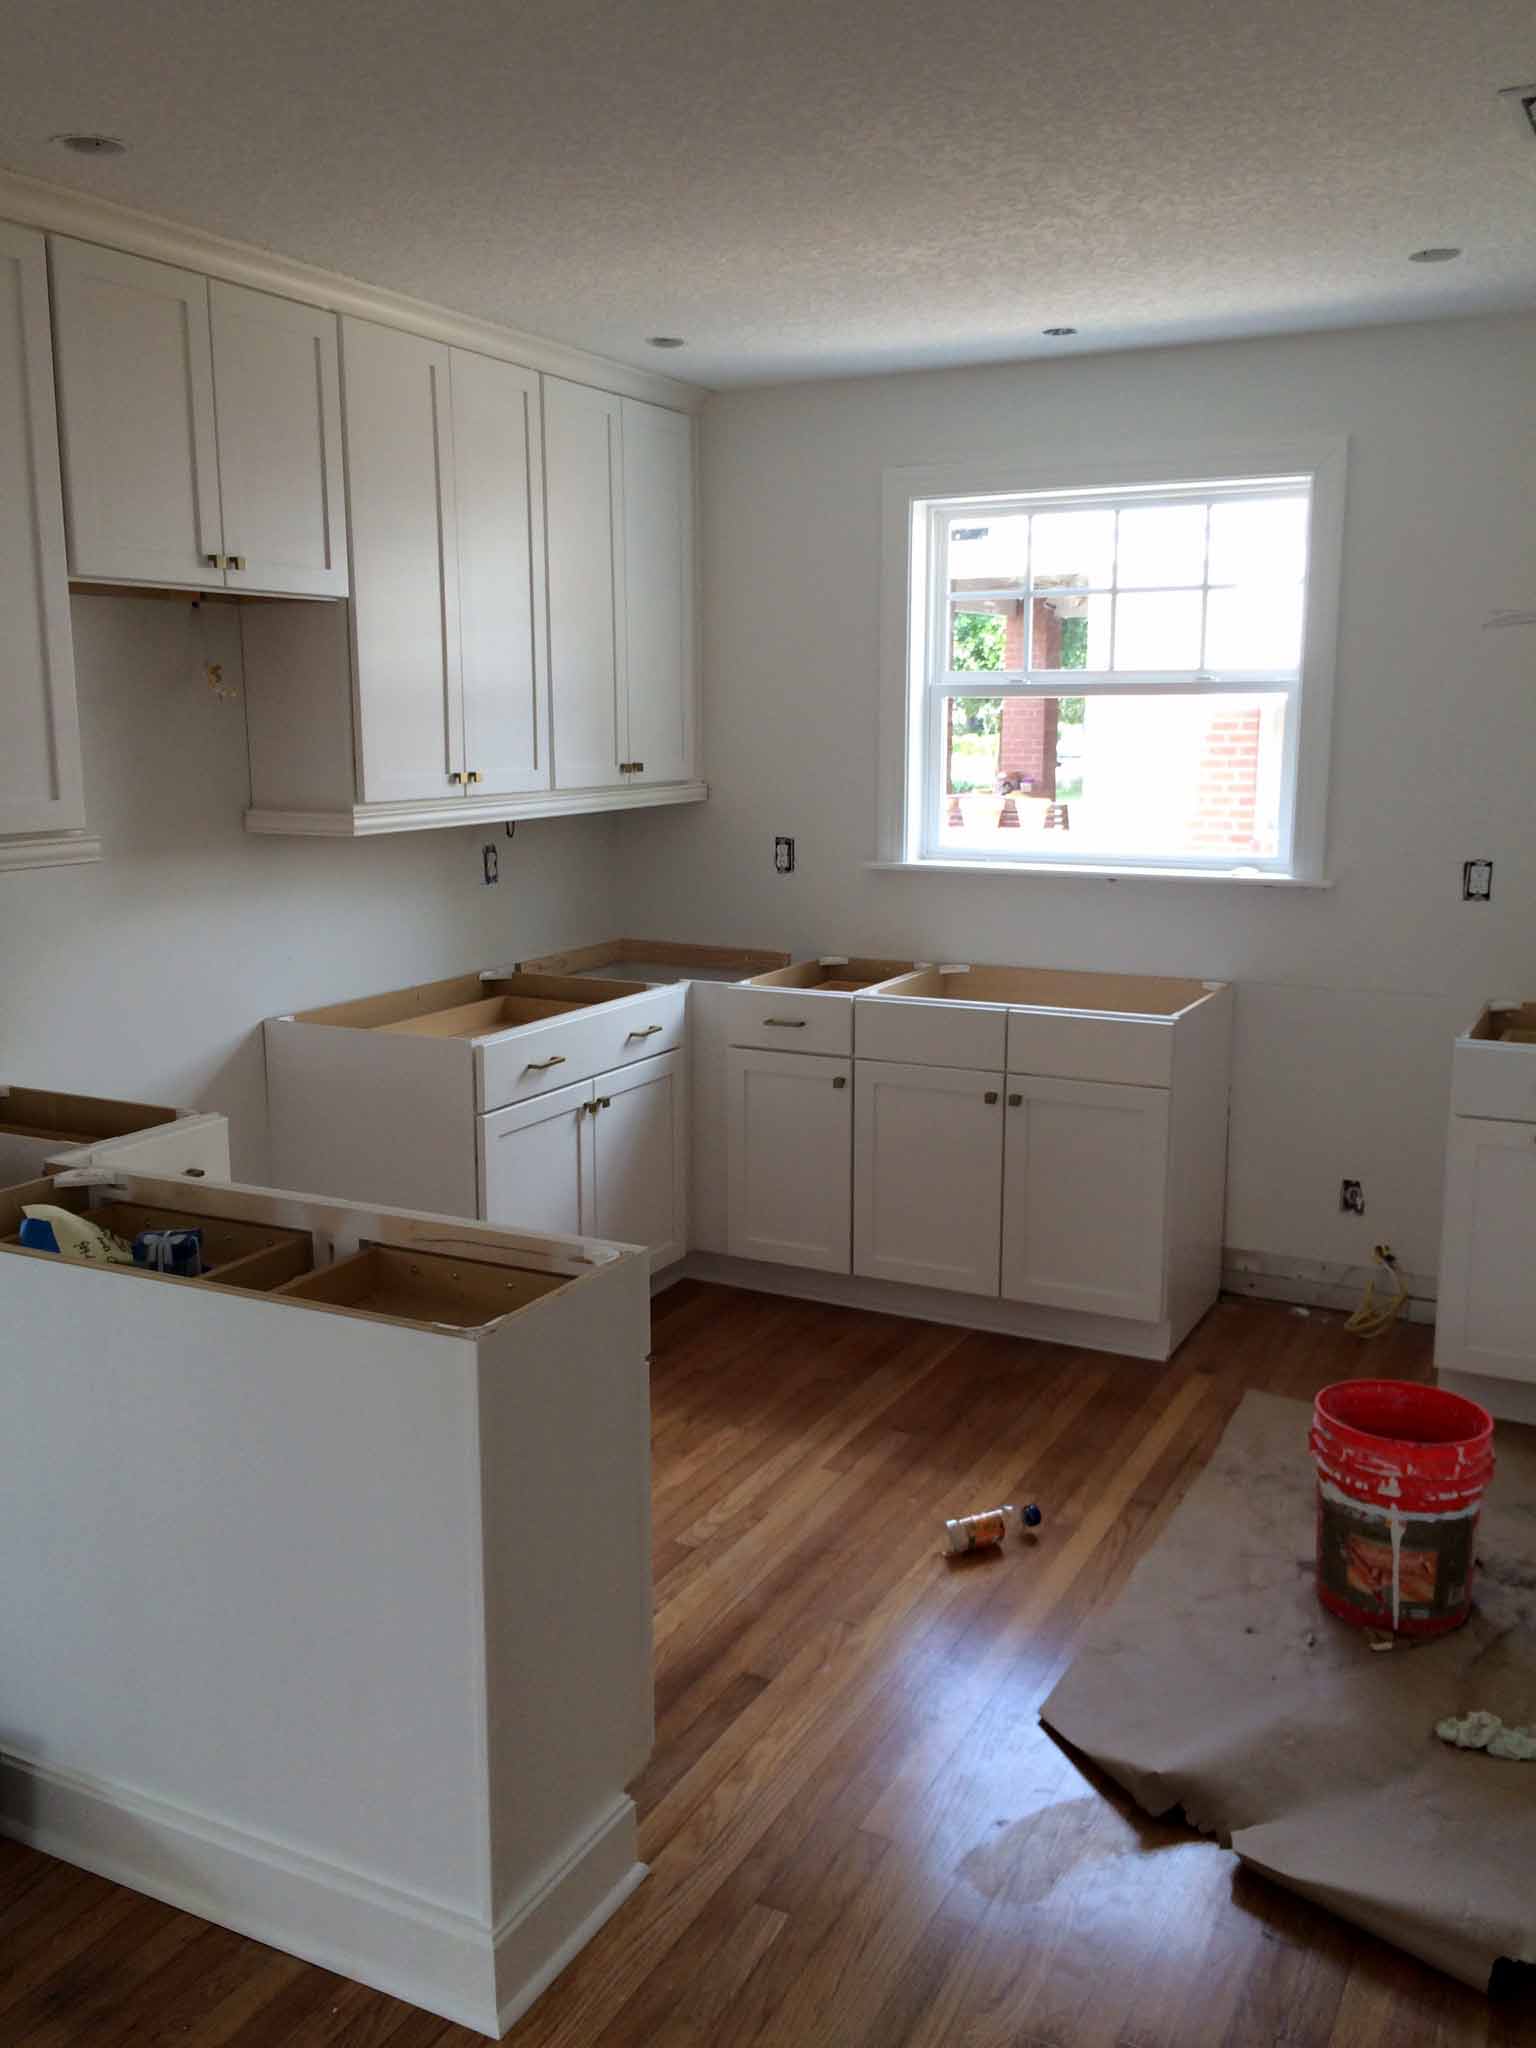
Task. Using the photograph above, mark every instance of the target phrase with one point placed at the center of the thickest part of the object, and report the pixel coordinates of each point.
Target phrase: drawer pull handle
(990, 1096)
(556, 1059)
(1015, 1102)
(647, 1031)
(786, 1023)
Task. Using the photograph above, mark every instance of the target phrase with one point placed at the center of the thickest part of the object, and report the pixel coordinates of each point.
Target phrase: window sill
(1254, 879)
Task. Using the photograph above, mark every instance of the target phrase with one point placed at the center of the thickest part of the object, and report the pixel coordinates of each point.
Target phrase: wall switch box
(784, 856)
(1476, 881)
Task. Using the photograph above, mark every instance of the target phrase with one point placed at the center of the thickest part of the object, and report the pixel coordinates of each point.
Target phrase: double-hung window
(1131, 675)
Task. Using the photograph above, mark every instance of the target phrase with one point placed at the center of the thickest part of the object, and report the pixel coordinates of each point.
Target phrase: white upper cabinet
(141, 471)
(583, 474)
(405, 565)
(40, 787)
(498, 461)
(619, 478)
(446, 500)
(278, 408)
(658, 586)
(201, 429)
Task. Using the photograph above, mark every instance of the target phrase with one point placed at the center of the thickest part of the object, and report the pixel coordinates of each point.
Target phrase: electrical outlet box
(1476, 881)
(1351, 1198)
(491, 862)
(784, 855)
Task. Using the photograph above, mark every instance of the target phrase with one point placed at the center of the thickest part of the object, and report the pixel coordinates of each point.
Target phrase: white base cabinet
(1051, 1143)
(605, 1158)
(789, 1160)
(928, 1175)
(357, 1659)
(1085, 1196)
(541, 1102)
(1485, 1322)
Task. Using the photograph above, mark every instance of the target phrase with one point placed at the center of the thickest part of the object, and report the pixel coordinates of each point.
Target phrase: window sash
(939, 682)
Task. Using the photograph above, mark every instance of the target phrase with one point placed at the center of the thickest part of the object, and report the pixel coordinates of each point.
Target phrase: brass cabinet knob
(990, 1096)
(217, 561)
(473, 775)
(1015, 1101)
(839, 1080)
(235, 562)
(454, 776)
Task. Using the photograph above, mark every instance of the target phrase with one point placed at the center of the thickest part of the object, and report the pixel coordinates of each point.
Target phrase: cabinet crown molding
(35, 202)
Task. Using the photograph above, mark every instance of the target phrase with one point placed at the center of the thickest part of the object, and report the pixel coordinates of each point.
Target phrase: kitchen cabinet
(1085, 1178)
(789, 1158)
(545, 1101)
(1485, 1321)
(43, 1128)
(603, 1158)
(41, 789)
(443, 464)
(342, 1547)
(927, 1175)
(201, 429)
(619, 478)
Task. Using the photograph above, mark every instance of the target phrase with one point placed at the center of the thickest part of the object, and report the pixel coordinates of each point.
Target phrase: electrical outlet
(784, 856)
(1351, 1198)
(491, 862)
(1476, 881)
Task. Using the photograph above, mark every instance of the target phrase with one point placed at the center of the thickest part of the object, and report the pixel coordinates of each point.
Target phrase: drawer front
(938, 1034)
(572, 1048)
(1494, 1080)
(1137, 1050)
(788, 1020)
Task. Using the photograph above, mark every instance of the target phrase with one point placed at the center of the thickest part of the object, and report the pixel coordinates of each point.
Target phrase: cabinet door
(658, 584)
(135, 372)
(583, 483)
(498, 471)
(1486, 1320)
(789, 1158)
(405, 571)
(536, 1163)
(40, 788)
(1085, 1196)
(277, 378)
(927, 1175)
(640, 1183)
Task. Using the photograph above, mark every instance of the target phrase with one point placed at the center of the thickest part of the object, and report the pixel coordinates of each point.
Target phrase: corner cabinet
(201, 429)
(42, 810)
(619, 475)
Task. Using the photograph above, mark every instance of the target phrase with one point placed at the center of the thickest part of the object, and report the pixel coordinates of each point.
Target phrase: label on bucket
(1434, 1557)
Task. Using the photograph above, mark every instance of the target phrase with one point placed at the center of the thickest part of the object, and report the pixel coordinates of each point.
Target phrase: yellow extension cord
(1371, 1318)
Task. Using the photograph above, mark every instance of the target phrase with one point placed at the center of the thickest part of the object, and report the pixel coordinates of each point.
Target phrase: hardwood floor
(858, 1831)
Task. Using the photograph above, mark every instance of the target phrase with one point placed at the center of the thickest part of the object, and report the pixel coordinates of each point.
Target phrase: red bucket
(1401, 1474)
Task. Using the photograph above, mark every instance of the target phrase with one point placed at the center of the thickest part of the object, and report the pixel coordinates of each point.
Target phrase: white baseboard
(447, 1962)
(936, 1305)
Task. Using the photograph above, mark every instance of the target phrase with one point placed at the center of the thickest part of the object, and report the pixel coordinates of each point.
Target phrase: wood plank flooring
(859, 1835)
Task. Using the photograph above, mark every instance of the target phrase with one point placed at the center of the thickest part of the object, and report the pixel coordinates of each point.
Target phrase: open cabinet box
(40, 1127)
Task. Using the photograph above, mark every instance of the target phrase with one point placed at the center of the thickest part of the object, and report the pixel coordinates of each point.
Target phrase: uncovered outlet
(784, 856)
(1351, 1198)
(491, 862)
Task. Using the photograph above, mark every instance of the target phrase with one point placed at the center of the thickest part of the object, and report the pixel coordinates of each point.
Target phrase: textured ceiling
(818, 187)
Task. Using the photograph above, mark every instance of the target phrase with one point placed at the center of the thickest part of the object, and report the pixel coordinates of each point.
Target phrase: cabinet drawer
(930, 1034)
(1072, 1047)
(788, 1020)
(534, 1058)
(1494, 1080)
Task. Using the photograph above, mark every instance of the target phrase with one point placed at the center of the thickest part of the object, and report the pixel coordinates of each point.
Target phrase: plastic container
(987, 1530)
(1401, 1474)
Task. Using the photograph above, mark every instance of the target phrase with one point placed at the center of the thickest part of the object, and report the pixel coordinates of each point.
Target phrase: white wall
(1348, 1000)
(148, 974)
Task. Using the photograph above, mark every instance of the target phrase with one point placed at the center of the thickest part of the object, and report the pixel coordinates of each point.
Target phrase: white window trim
(904, 630)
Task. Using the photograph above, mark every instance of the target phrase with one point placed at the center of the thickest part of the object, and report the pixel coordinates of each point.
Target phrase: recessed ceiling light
(1434, 256)
(1058, 331)
(91, 145)
(665, 341)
